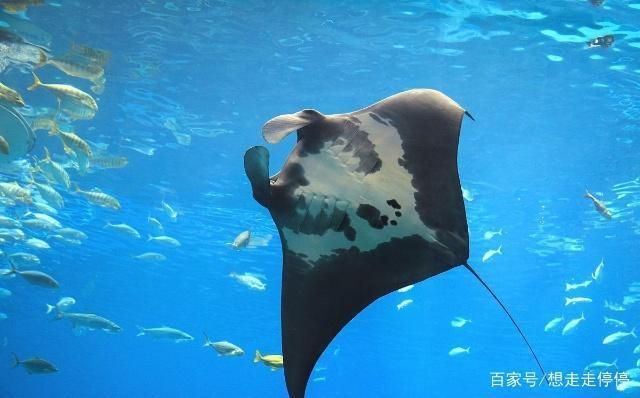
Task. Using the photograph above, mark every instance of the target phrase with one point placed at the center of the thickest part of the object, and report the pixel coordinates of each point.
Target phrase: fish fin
(16, 361)
(257, 357)
(36, 82)
(470, 117)
(467, 266)
(276, 129)
(256, 166)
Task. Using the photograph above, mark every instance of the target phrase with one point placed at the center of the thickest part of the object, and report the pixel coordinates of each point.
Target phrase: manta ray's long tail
(544, 374)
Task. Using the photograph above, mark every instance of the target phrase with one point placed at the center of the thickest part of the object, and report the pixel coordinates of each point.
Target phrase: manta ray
(366, 203)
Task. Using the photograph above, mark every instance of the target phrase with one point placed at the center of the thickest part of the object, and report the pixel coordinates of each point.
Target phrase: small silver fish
(572, 325)
(404, 304)
(223, 348)
(242, 240)
(165, 332)
(490, 253)
(553, 324)
(459, 351)
(459, 322)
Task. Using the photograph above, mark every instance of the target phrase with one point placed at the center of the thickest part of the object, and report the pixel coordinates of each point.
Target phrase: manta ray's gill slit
(317, 213)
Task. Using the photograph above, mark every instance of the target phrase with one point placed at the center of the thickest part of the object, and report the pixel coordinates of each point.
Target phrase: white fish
(164, 240)
(614, 306)
(71, 233)
(459, 351)
(467, 194)
(617, 337)
(61, 305)
(151, 256)
(490, 253)
(123, 229)
(553, 324)
(5, 292)
(44, 208)
(46, 218)
(155, 224)
(459, 322)
(576, 300)
(597, 274)
(37, 243)
(7, 222)
(629, 300)
(21, 258)
(488, 235)
(573, 286)
(614, 322)
(572, 325)
(165, 332)
(242, 240)
(249, 280)
(223, 348)
(628, 386)
(599, 365)
(173, 215)
(405, 289)
(404, 304)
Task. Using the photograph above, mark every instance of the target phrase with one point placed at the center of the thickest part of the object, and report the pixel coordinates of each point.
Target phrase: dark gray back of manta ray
(366, 203)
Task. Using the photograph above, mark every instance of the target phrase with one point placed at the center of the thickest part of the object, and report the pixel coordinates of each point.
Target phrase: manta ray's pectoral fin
(276, 129)
(256, 165)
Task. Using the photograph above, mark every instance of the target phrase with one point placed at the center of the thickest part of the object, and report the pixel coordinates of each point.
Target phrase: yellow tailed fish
(71, 140)
(100, 198)
(14, 191)
(65, 91)
(11, 96)
(53, 170)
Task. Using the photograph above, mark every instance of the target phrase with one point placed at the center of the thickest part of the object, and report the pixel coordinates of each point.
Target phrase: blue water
(553, 117)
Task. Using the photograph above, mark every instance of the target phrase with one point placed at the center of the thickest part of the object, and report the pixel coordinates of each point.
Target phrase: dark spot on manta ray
(377, 118)
(394, 203)
(398, 214)
(393, 222)
(372, 216)
(350, 233)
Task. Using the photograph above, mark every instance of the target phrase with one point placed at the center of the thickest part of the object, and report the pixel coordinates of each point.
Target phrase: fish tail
(582, 316)
(149, 237)
(535, 357)
(499, 251)
(206, 340)
(633, 332)
(50, 308)
(500, 232)
(36, 82)
(567, 301)
(615, 363)
(257, 357)
(16, 361)
(140, 331)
